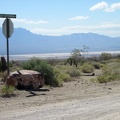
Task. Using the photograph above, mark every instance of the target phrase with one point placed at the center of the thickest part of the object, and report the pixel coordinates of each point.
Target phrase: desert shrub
(41, 66)
(61, 76)
(105, 56)
(74, 72)
(63, 68)
(3, 76)
(87, 68)
(112, 68)
(105, 78)
(111, 72)
(102, 79)
(55, 61)
(64, 77)
(65, 73)
(10, 64)
(7, 91)
(71, 70)
(96, 65)
(57, 82)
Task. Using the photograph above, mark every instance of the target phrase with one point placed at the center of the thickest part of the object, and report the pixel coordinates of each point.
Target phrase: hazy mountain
(24, 42)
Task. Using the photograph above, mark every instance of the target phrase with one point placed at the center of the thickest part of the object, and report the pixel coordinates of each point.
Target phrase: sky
(63, 17)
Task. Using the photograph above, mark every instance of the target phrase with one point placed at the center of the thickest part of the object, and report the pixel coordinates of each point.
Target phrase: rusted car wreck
(25, 79)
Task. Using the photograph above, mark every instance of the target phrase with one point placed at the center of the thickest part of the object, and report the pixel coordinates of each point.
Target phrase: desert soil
(77, 100)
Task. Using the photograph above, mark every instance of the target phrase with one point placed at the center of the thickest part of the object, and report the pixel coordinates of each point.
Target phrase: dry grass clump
(96, 65)
(111, 72)
(87, 68)
(7, 91)
(3, 76)
(65, 73)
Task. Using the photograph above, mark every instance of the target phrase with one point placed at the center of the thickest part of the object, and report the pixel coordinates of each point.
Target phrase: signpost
(7, 28)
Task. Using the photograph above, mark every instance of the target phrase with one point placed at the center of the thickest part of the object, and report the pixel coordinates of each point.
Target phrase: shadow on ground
(33, 92)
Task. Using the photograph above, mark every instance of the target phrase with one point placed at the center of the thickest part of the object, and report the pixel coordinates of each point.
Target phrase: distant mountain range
(24, 42)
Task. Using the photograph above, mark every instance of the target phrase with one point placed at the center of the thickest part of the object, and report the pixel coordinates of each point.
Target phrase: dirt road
(76, 100)
(100, 108)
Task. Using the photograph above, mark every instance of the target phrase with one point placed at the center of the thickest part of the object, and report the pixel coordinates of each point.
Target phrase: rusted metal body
(25, 79)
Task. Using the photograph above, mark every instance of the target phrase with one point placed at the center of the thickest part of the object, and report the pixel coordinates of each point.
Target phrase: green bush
(65, 73)
(112, 68)
(7, 91)
(57, 82)
(87, 68)
(60, 76)
(105, 78)
(102, 79)
(74, 72)
(96, 65)
(71, 70)
(3, 76)
(111, 72)
(105, 56)
(64, 77)
(41, 66)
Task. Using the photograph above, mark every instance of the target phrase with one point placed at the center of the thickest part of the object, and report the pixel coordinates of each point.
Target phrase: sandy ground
(76, 100)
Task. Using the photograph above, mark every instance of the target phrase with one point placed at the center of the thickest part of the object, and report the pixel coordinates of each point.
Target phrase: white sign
(7, 28)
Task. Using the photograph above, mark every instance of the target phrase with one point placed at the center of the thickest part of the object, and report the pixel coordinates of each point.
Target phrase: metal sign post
(7, 28)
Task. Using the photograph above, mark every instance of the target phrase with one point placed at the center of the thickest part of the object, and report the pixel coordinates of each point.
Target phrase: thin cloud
(91, 27)
(102, 5)
(105, 7)
(25, 21)
(100, 28)
(110, 25)
(79, 18)
(113, 7)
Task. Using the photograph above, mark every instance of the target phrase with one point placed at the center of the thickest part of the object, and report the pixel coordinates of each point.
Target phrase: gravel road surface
(99, 108)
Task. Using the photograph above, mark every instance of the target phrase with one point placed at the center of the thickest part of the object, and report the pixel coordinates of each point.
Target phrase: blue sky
(60, 17)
